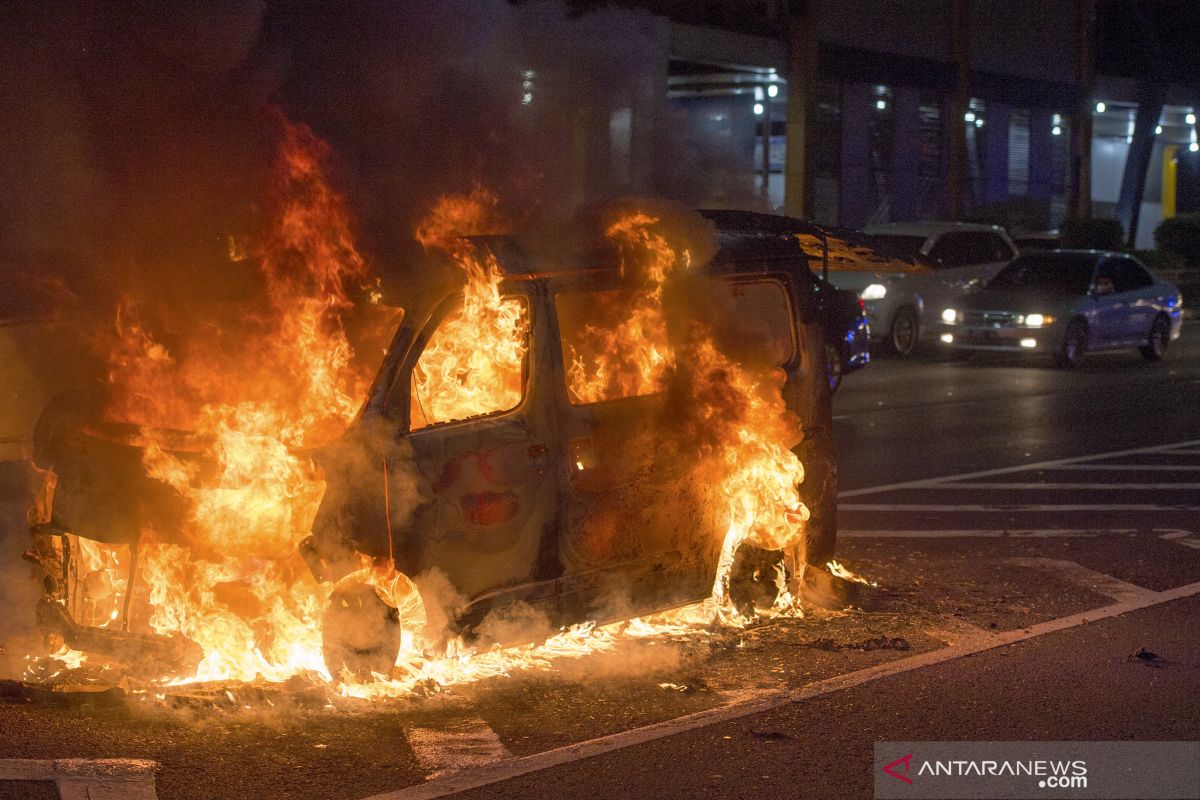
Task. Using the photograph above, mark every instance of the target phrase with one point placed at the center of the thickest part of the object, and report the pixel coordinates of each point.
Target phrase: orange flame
(474, 361)
(239, 590)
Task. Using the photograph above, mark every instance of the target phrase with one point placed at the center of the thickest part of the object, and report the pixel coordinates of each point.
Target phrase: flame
(627, 353)
(236, 586)
(839, 571)
(739, 415)
(288, 382)
(473, 364)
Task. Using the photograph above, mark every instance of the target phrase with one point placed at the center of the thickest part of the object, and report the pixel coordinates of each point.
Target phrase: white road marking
(969, 644)
(1128, 467)
(1174, 534)
(1015, 507)
(1182, 452)
(1058, 463)
(1192, 543)
(461, 744)
(999, 533)
(1072, 486)
(87, 778)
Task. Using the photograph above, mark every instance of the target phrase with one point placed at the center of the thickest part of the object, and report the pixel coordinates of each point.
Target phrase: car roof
(928, 229)
(748, 249)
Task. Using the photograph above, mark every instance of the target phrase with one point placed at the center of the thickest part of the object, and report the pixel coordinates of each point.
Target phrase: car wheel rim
(1159, 340)
(1075, 345)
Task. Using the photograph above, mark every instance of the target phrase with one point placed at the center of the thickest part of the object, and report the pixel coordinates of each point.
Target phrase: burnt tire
(904, 332)
(1158, 339)
(753, 581)
(1074, 345)
(360, 632)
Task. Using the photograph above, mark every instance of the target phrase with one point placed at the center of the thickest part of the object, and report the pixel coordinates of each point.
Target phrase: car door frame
(528, 567)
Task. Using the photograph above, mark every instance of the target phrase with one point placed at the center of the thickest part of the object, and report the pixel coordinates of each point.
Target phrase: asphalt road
(1009, 606)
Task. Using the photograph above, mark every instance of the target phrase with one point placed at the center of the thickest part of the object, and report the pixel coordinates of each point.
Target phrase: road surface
(1030, 530)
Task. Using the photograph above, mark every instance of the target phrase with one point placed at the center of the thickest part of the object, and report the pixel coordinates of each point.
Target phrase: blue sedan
(1067, 303)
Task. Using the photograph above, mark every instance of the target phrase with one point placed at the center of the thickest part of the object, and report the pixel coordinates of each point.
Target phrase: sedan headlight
(876, 291)
(1036, 320)
(950, 315)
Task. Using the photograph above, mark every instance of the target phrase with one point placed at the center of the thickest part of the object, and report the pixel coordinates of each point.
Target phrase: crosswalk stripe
(1127, 467)
(1043, 533)
(1087, 486)
(1075, 462)
(1014, 507)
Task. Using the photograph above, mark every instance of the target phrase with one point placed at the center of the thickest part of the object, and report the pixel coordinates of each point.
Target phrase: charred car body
(546, 500)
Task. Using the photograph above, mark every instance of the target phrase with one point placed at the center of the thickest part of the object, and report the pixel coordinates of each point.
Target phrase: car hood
(1022, 301)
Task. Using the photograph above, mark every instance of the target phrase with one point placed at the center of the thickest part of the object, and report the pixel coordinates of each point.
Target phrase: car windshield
(896, 245)
(1060, 273)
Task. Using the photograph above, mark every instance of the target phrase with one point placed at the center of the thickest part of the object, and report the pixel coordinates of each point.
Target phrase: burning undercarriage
(643, 424)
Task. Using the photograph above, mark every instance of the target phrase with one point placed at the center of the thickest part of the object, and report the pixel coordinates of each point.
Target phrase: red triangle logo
(903, 764)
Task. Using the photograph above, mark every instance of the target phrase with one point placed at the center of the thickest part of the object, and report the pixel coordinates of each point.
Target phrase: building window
(826, 153)
(976, 149)
(930, 171)
(1018, 152)
(882, 130)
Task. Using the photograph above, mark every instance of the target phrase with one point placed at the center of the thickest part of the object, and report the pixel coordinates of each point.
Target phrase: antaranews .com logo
(969, 770)
(1048, 773)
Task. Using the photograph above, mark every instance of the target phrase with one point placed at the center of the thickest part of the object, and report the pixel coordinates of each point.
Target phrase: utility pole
(803, 57)
(956, 165)
(1081, 122)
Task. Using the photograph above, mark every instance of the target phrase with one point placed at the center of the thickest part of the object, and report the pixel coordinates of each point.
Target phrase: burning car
(631, 425)
(564, 478)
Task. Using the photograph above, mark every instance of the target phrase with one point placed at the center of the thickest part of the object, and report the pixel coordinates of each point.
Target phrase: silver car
(902, 306)
(1066, 303)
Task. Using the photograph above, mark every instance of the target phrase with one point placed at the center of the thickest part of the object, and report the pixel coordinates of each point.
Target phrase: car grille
(992, 319)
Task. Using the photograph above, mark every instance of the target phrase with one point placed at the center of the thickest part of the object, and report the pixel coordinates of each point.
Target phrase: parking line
(1015, 507)
(1089, 579)
(995, 533)
(1128, 467)
(1098, 486)
(969, 644)
(1058, 463)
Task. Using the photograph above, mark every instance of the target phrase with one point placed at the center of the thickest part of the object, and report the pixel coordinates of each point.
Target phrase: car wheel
(905, 331)
(754, 578)
(834, 367)
(363, 623)
(1074, 346)
(1160, 337)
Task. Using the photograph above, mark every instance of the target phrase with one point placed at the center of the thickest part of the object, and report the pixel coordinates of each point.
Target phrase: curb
(84, 778)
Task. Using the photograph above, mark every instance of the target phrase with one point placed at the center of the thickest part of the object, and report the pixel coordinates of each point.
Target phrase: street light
(1100, 107)
(772, 89)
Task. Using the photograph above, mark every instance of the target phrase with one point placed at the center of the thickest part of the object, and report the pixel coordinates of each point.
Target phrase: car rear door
(1138, 288)
(1110, 321)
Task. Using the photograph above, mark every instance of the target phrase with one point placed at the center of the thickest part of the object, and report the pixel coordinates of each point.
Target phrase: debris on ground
(872, 643)
(1150, 659)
